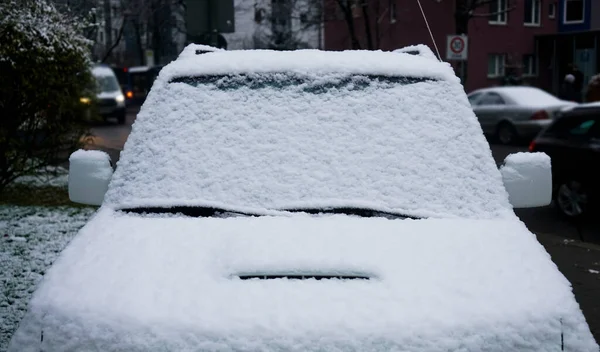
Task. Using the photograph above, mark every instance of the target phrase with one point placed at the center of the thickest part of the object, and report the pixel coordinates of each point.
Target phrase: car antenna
(429, 29)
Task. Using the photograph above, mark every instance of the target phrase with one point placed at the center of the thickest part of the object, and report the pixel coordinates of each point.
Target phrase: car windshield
(107, 84)
(281, 141)
(282, 81)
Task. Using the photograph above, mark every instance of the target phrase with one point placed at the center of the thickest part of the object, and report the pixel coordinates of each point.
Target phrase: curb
(569, 241)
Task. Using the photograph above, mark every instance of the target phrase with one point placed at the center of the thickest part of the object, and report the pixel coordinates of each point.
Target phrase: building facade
(501, 34)
(137, 33)
(276, 24)
(575, 43)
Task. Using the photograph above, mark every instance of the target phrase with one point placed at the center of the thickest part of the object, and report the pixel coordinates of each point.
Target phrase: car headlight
(120, 98)
(84, 100)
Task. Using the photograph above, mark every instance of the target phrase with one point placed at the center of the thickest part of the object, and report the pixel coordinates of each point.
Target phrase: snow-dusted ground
(30, 240)
(54, 176)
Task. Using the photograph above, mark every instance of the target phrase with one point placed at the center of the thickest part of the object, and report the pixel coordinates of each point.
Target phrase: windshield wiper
(362, 212)
(193, 211)
(202, 212)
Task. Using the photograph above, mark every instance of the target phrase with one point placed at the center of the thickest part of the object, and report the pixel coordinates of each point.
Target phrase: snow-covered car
(293, 201)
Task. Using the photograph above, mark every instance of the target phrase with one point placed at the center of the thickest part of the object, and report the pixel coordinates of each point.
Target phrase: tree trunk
(462, 17)
(347, 10)
(138, 39)
(116, 42)
(367, 23)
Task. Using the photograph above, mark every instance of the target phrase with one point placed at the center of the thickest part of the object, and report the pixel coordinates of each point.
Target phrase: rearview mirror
(89, 174)
(527, 178)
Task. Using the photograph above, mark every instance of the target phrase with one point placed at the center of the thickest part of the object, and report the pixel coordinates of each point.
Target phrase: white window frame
(393, 9)
(539, 14)
(500, 65)
(532, 70)
(500, 12)
(565, 2)
(552, 10)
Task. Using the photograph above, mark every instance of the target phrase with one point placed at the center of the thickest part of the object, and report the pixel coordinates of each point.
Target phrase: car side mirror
(89, 174)
(527, 178)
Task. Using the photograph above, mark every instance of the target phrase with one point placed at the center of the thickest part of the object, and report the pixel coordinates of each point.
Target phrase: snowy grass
(54, 176)
(46, 187)
(31, 237)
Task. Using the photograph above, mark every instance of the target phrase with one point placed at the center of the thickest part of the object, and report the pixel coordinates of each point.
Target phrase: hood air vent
(302, 277)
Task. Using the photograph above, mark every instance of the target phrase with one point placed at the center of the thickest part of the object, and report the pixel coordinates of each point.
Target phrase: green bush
(44, 70)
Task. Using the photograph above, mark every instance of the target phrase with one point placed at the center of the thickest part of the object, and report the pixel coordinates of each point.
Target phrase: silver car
(513, 113)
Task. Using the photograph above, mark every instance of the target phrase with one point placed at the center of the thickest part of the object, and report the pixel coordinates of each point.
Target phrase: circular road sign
(457, 45)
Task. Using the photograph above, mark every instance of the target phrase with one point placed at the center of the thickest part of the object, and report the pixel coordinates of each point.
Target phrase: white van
(110, 98)
(306, 201)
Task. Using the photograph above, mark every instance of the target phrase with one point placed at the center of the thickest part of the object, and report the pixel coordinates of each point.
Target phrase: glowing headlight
(120, 98)
(84, 100)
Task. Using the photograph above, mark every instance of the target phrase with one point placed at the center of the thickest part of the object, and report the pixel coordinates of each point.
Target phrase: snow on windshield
(280, 140)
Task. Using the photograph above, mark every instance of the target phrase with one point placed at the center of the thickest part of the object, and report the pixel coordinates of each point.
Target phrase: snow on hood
(295, 139)
(140, 283)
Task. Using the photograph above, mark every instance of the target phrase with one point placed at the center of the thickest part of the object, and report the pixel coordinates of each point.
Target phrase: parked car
(293, 201)
(136, 81)
(510, 114)
(573, 144)
(110, 100)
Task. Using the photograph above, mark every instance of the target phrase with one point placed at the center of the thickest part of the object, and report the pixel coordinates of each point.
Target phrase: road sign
(458, 47)
(149, 57)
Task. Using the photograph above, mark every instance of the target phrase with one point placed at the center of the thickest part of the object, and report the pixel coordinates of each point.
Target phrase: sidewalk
(580, 263)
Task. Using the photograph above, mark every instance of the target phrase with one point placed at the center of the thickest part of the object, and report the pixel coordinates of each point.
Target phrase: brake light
(129, 94)
(124, 69)
(540, 115)
(532, 146)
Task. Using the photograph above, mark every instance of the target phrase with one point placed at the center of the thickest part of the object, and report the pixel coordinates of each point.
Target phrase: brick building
(503, 36)
(576, 41)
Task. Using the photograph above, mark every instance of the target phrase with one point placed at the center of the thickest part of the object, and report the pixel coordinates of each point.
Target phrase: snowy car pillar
(90, 172)
(527, 178)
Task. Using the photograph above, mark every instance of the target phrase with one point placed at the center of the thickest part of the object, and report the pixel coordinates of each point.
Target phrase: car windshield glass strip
(107, 83)
(362, 212)
(210, 212)
(309, 84)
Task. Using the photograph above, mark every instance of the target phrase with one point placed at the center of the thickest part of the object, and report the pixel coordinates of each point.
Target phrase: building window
(574, 11)
(496, 63)
(498, 11)
(552, 10)
(532, 12)
(392, 11)
(529, 65)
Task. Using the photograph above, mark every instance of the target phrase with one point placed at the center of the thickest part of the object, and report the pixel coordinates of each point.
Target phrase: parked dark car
(136, 82)
(573, 143)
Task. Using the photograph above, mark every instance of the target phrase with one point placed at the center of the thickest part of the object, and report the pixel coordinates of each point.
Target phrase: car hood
(140, 282)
